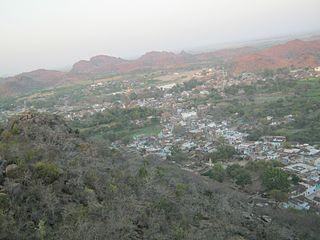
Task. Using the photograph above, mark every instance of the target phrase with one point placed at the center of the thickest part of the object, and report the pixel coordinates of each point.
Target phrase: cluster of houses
(306, 193)
(190, 128)
(191, 133)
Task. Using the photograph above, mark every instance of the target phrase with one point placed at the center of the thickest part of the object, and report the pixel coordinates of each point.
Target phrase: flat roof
(300, 168)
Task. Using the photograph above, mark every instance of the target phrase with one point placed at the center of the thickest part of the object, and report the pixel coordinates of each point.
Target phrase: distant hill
(296, 53)
(226, 54)
(106, 64)
(36, 80)
(98, 64)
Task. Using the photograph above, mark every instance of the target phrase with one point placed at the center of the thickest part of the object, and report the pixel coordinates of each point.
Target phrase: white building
(188, 115)
(317, 163)
(167, 86)
(301, 168)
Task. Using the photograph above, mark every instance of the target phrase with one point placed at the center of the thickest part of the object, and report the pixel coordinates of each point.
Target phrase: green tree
(279, 195)
(223, 152)
(241, 175)
(233, 170)
(177, 155)
(275, 178)
(243, 178)
(295, 179)
(217, 172)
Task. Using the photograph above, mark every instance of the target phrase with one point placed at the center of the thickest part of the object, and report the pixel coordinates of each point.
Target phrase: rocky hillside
(56, 185)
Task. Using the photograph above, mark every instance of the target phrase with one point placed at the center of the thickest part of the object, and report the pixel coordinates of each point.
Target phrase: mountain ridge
(294, 53)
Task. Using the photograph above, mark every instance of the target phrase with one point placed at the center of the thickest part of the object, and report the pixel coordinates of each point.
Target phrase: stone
(266, 218)
(12, 170)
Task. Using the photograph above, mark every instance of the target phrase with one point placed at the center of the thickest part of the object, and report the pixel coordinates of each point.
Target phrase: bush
(223, 152)
(48, 172)
(279, 195)
(1, 128)
(4, 201)
(243, 178)
(180, 189)
(177, 155)
(143, 172)
(260, 166)
(295, 179)
(179, 232)
(233, 170)
(15, 130)
(217, 173)
(275, 179)
(241, 175)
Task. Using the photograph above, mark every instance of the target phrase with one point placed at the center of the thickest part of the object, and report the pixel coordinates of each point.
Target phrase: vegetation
(279, 195)
(277, 98)
(120, 124)
(47, 171)
(177, 155)
(223, 152)
(276, 179)
(186, 86)
(261, 166)
(241, 175)
(4, 201)
(217, 172)
(68, 188)
(62, 186)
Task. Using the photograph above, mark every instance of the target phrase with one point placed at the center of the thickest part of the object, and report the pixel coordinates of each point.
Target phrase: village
(198, 134)
(192, 129)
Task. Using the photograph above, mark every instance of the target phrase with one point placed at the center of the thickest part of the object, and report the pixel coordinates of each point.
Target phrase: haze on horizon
(55, 34)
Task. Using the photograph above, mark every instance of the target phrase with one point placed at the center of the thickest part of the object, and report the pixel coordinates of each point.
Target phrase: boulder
(266, 218)
(12, 170)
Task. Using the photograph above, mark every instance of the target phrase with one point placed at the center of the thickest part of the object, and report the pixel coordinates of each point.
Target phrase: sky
(54, 34)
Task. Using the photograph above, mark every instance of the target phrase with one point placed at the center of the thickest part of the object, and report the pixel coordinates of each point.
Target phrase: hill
(152, 60)
(226, 55)
(98, 64)
(296, 53)
(36, 80)
(56, 185)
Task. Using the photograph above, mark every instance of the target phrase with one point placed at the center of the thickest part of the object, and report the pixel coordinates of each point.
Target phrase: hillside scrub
(71, 188)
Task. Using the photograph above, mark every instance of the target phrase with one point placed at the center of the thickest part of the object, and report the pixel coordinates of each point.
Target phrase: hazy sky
(55, 33)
